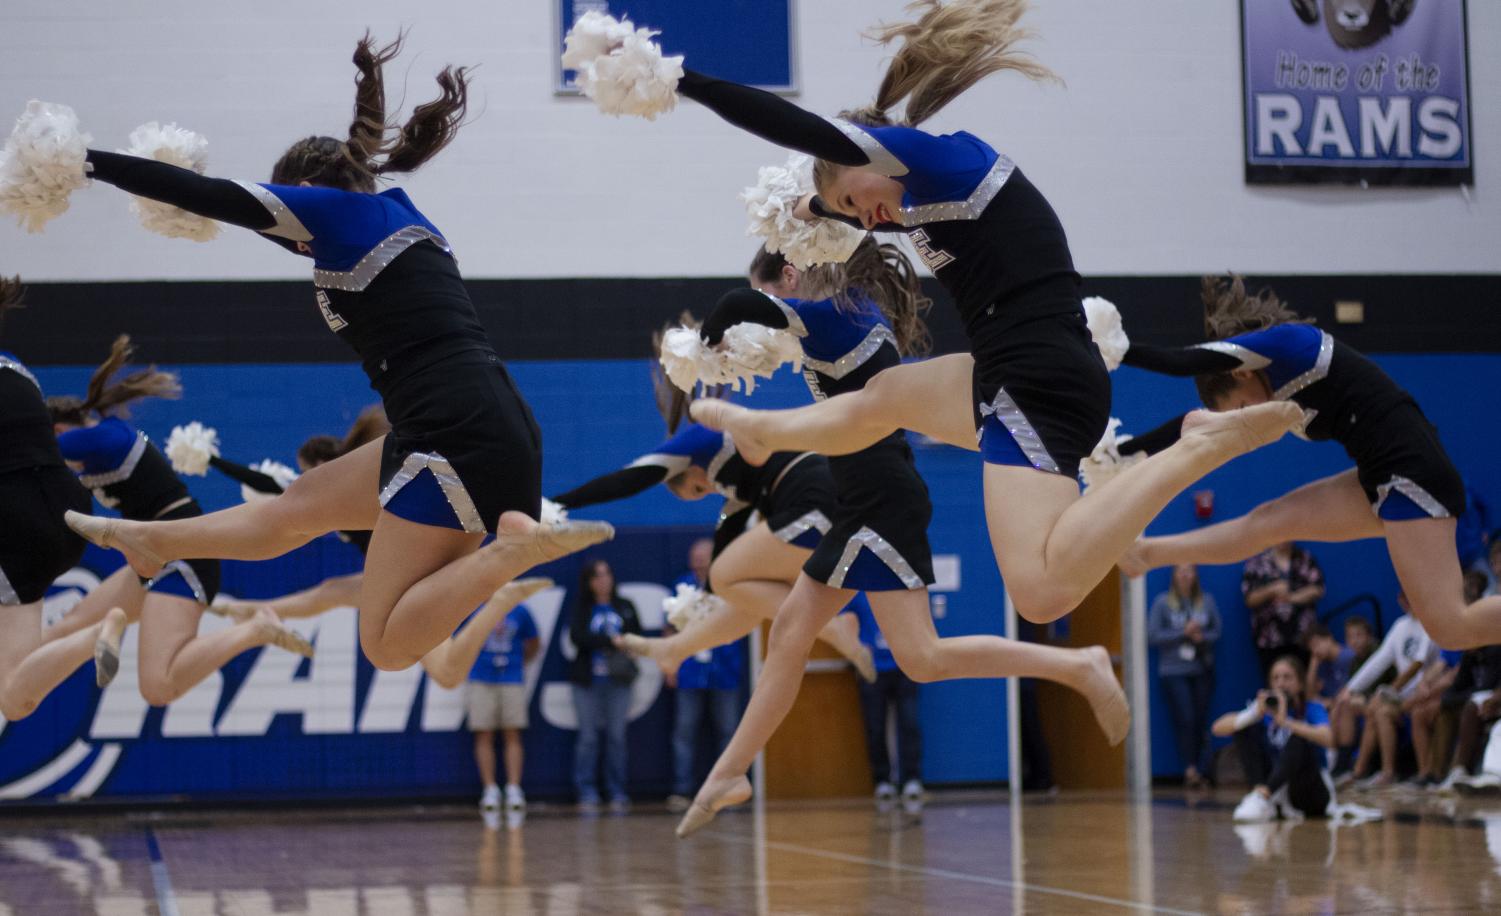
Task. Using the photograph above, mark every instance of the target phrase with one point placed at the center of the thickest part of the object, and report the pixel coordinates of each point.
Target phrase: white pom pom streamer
(552, 513)
(190, 447)
(273, 469)
(175, 146)
(1108, 331)
(1106, 460)
(771, 205)
(42, 163)
(749, 351)
(688, 606)
(620, 67)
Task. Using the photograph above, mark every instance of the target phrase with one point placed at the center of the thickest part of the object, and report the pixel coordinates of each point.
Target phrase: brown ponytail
(354, 163)
(107, 398)
(672, 401)
(883, 272)
(1229, 310)
(11, 294)
(370, 425)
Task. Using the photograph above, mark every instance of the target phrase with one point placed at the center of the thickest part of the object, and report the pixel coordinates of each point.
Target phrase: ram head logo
(1355, 23)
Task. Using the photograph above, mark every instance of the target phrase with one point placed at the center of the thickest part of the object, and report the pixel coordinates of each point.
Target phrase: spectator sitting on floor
(1281, 737)
(1407, 649)
(1475, 697)
(1184, 625)
(1282, 588)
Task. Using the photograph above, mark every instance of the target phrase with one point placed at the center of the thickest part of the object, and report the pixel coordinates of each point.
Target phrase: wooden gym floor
(963, 853)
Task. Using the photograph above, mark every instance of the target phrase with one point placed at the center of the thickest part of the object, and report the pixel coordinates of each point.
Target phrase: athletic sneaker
(677, 804)
(1448, 786)
(490, 801)
(1480, 784)
(885, 792)
(620, 805)
(1374, 782)
(515, 798)
(913, 791)
(1254, 809)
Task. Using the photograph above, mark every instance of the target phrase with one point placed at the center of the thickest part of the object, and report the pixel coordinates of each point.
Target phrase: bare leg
(339, 495)
(421, 581)
(1469, 736)
(1054, 546)
(449, 663)
(1422, 550)
(905, 620)
(121, 588)
(1333, 510)
(29, 667)
(484, 756)
(810, 605)
(1422, 735)
(339, 591)
(1368, 744)
(514, 755)
(174, 657)
(1386, 716)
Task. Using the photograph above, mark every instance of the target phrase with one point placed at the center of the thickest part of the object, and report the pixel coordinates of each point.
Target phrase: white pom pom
(1108, 331)
(1106, 461)
(176, 146)
(190, 447)
(771, 205)
(43, 162)
(685, 357)
(552, 513)
(620, 67)
(689, 605)
(749, 351)
(276, 471)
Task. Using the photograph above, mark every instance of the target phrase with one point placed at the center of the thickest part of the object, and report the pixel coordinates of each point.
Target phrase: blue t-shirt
(606, 620)
(502, 660)
(1334, 675)
(871, 634)
(1314, 713)
(720, 668)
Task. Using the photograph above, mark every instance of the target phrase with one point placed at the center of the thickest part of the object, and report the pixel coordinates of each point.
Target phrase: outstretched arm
(620, 484)
(216, 198)
(1155, 440)
(1200, 360)
(250, 477)
(773, 118)
(740, 306)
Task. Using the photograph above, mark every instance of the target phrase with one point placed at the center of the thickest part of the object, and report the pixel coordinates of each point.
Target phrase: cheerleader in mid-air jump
(36, 488)
(463, 457)
(1403, 487)
(1035, 388)
(854, 321)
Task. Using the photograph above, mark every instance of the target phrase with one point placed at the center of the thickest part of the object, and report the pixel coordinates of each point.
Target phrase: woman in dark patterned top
(1282, 588)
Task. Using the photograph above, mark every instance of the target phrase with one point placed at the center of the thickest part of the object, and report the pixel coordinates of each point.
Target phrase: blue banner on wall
(1356, 91)
(746, 41)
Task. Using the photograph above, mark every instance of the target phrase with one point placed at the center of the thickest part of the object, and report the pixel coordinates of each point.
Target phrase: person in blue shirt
(129, 474)
(1183, 625)
(496, 696)
(708, 683)
(1403, 487)
(1281, 737)
(463, 457)
(36, 487)
(602, 676)
(1032, 395)
(893, 690)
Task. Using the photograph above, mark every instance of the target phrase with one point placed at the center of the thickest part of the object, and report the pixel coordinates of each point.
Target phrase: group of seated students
(1350, 704)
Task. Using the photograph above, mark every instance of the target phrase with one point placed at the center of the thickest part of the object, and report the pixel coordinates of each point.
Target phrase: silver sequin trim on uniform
(884, 552)
(12, 365)
(1020, 428)
(969, 208)
(794, 320)
(448, 481)
(188, 576)
(673, 464)
(794, 530)
(717, 463)
(1301, 430)
(1412, 491)
(8, 596)
(881, 159)
(1319, 370)
(364, 273)
(123, 472)
(1249, 359)
(855, 358)
(288, 226)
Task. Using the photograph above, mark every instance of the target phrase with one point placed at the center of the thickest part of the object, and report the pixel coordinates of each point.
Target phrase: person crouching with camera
(1281, 737)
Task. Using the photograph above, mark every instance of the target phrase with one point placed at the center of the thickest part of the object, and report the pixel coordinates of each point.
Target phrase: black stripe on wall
(244, 321)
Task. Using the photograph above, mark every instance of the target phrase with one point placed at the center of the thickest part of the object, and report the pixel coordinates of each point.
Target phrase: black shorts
(463, 446)
(799, 505)
(879, 539)
(1041, 391)
(1403, 468)
(35, 545)
(195, 580)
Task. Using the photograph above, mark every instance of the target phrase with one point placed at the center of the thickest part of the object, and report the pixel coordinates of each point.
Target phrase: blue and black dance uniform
(463, 446)
(131, 475)
(36, 488)
(1399, 460)
(1041, 391)
(879, 537)
(793, 491)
